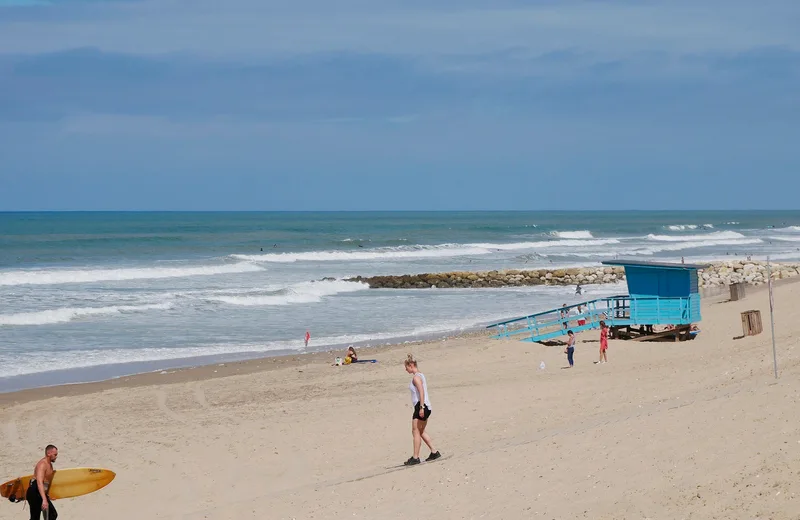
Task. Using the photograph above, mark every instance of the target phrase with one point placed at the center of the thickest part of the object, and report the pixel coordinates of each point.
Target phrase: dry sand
(698, 429)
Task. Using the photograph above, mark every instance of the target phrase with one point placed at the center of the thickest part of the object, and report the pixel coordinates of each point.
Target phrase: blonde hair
(410, 360)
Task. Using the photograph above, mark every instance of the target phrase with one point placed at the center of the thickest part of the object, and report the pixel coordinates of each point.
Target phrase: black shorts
(35, 503)
(416, 413)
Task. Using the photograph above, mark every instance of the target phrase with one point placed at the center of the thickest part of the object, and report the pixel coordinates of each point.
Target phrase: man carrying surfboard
(38, 495)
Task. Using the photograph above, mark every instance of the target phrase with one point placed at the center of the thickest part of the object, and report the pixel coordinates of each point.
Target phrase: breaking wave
(64, 276)
(306, 292)
(415, 252)
(684, 227)
(66, 314)
(572, 234)
(717, 235)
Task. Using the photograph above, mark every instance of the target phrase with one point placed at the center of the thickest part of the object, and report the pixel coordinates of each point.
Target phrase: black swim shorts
(416, 413)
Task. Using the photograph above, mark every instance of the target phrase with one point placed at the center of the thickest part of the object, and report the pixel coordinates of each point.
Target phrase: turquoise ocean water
(89, 296)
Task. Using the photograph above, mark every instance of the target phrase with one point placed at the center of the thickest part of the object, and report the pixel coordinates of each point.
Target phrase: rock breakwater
(749, 272)
(717, 274)
(504, 278)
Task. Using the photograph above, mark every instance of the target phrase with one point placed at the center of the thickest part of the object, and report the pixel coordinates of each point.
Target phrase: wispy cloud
(609, 89)
(255, 27)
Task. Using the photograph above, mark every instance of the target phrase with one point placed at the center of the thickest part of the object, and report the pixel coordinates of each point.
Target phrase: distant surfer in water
(38, 495)
(422, 411)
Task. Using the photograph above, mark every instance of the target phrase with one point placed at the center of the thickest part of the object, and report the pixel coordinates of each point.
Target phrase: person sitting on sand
(570, 350)
(422, 412)
(351, 356)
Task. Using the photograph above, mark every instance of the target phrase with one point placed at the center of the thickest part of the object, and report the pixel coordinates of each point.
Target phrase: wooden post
(751, 323)
(737, 291)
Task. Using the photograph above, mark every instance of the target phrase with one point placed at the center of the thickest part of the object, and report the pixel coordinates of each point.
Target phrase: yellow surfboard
(67, 483)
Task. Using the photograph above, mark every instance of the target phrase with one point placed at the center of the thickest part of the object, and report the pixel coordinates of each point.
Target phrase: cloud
(359, 100)
(348, 87)
(259, 28)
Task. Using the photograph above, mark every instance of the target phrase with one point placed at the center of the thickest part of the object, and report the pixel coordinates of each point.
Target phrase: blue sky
(359, 105)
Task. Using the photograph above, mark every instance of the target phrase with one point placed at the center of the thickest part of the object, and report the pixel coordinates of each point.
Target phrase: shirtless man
(39, 490)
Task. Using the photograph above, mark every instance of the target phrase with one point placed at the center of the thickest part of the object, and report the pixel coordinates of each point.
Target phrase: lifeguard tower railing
(616, 311)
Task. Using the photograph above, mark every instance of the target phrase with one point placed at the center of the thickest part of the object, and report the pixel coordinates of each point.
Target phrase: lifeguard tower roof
(646, 263)
(662, 293)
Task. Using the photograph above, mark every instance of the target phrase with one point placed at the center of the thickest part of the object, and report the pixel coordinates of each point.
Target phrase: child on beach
(570, 350)
(603, 342)
(422, 412)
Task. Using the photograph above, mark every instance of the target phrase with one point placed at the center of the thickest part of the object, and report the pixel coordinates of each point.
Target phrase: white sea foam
(66, 314)
(572, 234)
(781, 256)
(65, 276)
(42, 361)
(681, 227)
(306, 292)
(717, 235)
(684, 227)
(548, 244)
(790, 229)
(398, 253)
(417, 252)
(787, 238)
(664, 247)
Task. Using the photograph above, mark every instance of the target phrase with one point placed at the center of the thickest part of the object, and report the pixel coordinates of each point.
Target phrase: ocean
(92, 296)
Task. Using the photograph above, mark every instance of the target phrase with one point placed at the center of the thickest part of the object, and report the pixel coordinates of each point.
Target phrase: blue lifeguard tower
(659, 293)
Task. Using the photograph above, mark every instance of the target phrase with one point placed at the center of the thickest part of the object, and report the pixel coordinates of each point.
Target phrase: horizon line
(391, 210)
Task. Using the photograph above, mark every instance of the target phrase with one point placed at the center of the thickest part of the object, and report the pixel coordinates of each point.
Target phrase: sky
(399, 105)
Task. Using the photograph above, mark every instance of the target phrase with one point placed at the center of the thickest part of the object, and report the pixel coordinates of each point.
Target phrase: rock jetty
(505, 278)
(749, 272)
(717, 274)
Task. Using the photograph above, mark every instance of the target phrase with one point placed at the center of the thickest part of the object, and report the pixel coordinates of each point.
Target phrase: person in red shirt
(603, 342)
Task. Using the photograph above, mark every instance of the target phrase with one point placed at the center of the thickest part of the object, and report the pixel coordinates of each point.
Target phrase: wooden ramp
(554, 323)
(627, 318)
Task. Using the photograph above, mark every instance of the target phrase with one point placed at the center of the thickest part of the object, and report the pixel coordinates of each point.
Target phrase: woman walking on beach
(603, 342)
(570, 350)
(422, 411)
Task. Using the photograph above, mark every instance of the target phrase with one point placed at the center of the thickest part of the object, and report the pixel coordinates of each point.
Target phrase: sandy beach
(699, 429)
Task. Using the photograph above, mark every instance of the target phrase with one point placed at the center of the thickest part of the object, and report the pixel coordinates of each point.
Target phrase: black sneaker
(411, 462)
(433, 456)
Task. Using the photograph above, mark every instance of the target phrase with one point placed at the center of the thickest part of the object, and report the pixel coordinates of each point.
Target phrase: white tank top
(415, 394)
